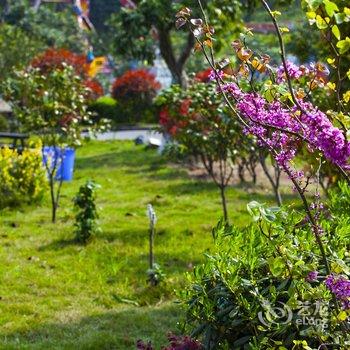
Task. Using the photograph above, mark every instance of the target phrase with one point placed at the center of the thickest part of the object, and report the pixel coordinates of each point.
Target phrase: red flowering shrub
(133, 83)
(56, 59)
(135, 91)
(197, 119)
(96, 89)
(203, 75)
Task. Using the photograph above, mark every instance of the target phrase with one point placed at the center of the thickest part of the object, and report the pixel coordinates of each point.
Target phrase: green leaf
(343, 45)
(330, 7)
(339, 18)
(277, 266)
(311, 14)
(342, 316)
(336, 31)
(322, 23)
(314, 4)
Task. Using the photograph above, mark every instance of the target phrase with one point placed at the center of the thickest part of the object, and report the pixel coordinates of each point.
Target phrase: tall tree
(135, 31)
(16, 49)
(46, 23)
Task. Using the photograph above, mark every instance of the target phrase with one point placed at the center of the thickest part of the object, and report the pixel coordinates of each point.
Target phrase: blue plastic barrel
(64, 159)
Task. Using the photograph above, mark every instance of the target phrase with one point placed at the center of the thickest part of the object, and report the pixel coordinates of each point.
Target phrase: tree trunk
(274, 182)
(176, 66)
(223, 201)
(240, 171)
(53, 199)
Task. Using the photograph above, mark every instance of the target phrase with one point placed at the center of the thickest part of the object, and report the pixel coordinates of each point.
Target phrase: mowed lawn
(55, 294)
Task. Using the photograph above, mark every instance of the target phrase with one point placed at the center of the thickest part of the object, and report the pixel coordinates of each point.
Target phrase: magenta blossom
(216, 74)
(294, 72)
(280, 128)
(340, 287)
(312, 276)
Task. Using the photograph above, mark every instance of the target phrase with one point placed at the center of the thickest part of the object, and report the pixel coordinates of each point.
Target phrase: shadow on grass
(59, 244)
(192, 187)
(112, 330)
(131, 158)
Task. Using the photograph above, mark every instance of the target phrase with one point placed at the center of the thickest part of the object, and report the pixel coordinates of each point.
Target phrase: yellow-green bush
(22, 177)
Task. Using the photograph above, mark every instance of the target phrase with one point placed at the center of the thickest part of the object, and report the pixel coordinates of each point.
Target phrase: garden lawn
(56, 294)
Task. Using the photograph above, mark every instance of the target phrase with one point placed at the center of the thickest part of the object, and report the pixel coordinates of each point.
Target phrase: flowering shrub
(22, 177)
(53, 59)
(44, 107)
(198, 119)
(134, 92)
(259, 288)
(236, 289)
(203, 76)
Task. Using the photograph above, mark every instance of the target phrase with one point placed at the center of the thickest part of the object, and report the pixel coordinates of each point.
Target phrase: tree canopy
(136, 31)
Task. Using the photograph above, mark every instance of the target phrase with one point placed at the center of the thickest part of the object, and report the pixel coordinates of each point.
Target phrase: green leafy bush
(85, 220)
(264, 288)
(51, 104)
(104, 107)
(22, 177)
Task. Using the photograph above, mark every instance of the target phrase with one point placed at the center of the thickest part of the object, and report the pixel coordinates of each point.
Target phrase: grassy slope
(59, 295)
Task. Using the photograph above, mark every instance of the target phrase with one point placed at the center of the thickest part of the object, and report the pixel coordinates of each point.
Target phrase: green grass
(56, 294)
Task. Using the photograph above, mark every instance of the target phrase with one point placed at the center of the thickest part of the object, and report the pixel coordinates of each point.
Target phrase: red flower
(135, 83)
(184, 107)
(203, 75)
(95, 88)
(56, 59)
(164, 116)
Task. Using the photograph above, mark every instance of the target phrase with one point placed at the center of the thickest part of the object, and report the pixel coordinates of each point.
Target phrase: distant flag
(96, 66)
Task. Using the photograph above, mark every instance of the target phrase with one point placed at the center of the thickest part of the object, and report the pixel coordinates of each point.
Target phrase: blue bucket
(64, 159)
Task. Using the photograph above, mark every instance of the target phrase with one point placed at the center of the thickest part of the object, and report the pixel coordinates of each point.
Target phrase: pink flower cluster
(340, 287)
(280, 128)
(215, 74)
(312, 276)
(294, 72)
(318, 72)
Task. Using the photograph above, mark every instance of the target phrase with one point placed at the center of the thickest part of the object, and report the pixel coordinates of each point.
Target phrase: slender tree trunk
(277, 185)
(223, 201)
(175, 65)
(53, 199)
(240, 171)
(274, 182)
(51, 173)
